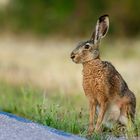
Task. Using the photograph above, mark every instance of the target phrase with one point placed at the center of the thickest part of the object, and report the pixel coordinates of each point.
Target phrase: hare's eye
(87, 46)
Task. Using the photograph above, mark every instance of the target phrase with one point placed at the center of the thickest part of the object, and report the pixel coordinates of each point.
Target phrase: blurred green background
(70, 18)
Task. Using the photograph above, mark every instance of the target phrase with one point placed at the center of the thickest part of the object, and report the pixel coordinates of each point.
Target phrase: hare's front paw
(98, 129)
(90, 131)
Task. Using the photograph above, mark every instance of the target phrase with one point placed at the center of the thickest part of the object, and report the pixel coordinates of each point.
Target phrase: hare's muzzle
(75, 57)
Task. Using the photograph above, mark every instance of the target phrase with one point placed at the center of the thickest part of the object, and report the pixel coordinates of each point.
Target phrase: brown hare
(107, 92)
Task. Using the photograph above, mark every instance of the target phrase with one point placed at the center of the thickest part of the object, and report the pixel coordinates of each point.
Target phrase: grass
(64, 112)
(67, 112)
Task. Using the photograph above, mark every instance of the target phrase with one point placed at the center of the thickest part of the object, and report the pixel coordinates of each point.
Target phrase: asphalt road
(17, 128)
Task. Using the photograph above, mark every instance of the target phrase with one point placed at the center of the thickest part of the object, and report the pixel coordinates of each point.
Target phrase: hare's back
(115, 80)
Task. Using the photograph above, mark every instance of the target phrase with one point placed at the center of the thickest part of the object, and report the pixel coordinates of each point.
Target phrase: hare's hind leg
(126, 115)
(128, 107)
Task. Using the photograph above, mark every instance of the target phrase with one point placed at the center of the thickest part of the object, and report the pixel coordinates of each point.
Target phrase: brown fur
(102, 84)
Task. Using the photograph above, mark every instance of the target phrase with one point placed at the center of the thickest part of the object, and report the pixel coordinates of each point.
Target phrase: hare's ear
(101, 28)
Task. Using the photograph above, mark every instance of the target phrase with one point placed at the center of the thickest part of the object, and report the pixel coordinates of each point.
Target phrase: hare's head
(89, 50)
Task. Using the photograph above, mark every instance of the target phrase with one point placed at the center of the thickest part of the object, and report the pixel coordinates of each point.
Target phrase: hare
(107, 92)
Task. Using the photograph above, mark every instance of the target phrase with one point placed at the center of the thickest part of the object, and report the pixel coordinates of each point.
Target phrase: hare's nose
(72, 55)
